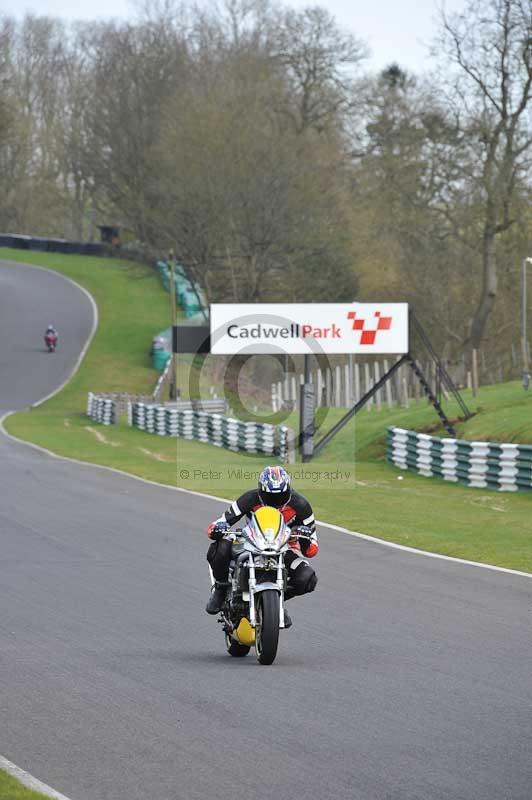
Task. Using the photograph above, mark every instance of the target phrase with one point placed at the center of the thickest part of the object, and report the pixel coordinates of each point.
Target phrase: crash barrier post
(101, 409)
(163, 378)
(201, 426)
(484, 465)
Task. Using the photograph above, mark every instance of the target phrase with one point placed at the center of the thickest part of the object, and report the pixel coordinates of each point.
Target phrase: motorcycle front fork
(252, 592)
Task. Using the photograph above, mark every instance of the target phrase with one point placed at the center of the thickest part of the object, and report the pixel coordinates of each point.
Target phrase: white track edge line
(338, 528)
(29, 780)
(364, 536)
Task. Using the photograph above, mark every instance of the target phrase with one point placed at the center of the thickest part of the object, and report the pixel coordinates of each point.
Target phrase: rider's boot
(289, 593)
(217, 598)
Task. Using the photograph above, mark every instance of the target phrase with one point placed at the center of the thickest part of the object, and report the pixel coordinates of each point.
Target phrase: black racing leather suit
(298, 511)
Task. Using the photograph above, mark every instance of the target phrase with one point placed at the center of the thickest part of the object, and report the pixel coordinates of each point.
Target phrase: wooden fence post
(337, 386)
(357, 382)
(378, 396)
(319, 388)
(387, 385)
(347, 378)
(367, 382)
(328, 388)
(404, 383)
(475, 373)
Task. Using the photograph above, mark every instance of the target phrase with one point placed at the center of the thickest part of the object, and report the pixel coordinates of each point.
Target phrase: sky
(395, 30)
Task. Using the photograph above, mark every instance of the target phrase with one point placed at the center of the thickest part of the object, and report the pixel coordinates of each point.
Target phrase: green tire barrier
(101, 409)
(233, 434)
(484, 465)
(160, 359)
(189, 295)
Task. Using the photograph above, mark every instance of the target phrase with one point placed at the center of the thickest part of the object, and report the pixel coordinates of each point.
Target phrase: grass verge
(349, 484)
(12, 789)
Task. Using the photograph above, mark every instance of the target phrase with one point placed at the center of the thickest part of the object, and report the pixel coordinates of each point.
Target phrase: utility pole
(173, 368)
(524, 341)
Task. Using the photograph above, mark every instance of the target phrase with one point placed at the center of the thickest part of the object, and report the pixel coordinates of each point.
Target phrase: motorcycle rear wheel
(234, 648)
(267, 626)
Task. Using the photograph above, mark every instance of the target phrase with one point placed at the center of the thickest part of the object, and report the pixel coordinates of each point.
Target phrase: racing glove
(306, 539)
(217, 530)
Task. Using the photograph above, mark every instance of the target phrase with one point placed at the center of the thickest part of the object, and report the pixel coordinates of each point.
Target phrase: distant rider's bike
(50, 341)
(253, 612)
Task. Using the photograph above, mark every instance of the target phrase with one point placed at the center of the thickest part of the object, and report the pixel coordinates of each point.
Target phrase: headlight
(265, 562)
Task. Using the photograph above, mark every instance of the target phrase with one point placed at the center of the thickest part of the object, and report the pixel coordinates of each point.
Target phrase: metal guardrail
(214, 405)
(50, 245)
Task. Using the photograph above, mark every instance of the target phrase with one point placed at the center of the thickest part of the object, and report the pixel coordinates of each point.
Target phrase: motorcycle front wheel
(267, 608)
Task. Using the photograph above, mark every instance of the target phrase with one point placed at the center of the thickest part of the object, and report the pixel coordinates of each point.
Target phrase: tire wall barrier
(233, 434)
(484, 465)
(101, 409)
(189, 295)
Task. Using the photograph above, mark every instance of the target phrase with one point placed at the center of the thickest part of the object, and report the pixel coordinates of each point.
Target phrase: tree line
(253, 140)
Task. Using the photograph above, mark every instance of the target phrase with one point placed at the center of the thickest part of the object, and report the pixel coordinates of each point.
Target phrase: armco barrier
(47, 245)
(101, 409)
(484, 465)
(213, 405)
(213, 429)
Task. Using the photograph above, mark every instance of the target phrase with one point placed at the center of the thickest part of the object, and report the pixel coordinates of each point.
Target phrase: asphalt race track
(30, 300)
(402, 678)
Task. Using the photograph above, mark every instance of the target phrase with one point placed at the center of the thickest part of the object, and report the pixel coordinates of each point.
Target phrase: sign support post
(173, 370)
(307, 402)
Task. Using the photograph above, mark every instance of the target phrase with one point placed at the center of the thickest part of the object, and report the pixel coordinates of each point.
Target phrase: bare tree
(32, 52)
(135, 71)
(319, 61)
(488, 51)
(253, 209)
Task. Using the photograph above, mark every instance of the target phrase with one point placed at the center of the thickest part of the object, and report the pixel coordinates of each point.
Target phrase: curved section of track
(30, 299)
(402, 678)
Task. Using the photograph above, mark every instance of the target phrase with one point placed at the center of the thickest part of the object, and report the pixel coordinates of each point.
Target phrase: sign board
(305, 328)
(191, 339)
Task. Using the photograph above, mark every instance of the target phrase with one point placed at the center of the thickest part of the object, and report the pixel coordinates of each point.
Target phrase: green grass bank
(12, 789)
(350, 484)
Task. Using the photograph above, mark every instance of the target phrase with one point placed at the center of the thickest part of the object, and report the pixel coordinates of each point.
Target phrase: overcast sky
(396, 30)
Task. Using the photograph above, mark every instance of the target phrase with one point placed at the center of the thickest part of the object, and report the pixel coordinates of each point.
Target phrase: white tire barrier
(484, 465)
(233, 434)
(101, 409)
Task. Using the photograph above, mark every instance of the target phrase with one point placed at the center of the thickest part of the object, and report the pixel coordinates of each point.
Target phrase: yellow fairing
(268, 517)
(244, 633)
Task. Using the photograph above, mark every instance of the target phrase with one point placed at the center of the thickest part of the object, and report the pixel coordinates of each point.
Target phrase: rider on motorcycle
(50, 332)
(274, 489)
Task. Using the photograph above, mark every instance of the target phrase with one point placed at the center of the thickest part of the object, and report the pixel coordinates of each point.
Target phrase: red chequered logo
(368, 335)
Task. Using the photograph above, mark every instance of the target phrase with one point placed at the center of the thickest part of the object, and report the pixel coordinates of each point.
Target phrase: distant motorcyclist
(50, 337)
(274, 489)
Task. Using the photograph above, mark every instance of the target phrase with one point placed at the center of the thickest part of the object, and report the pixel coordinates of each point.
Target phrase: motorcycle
(253, 611)
(50, 341)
